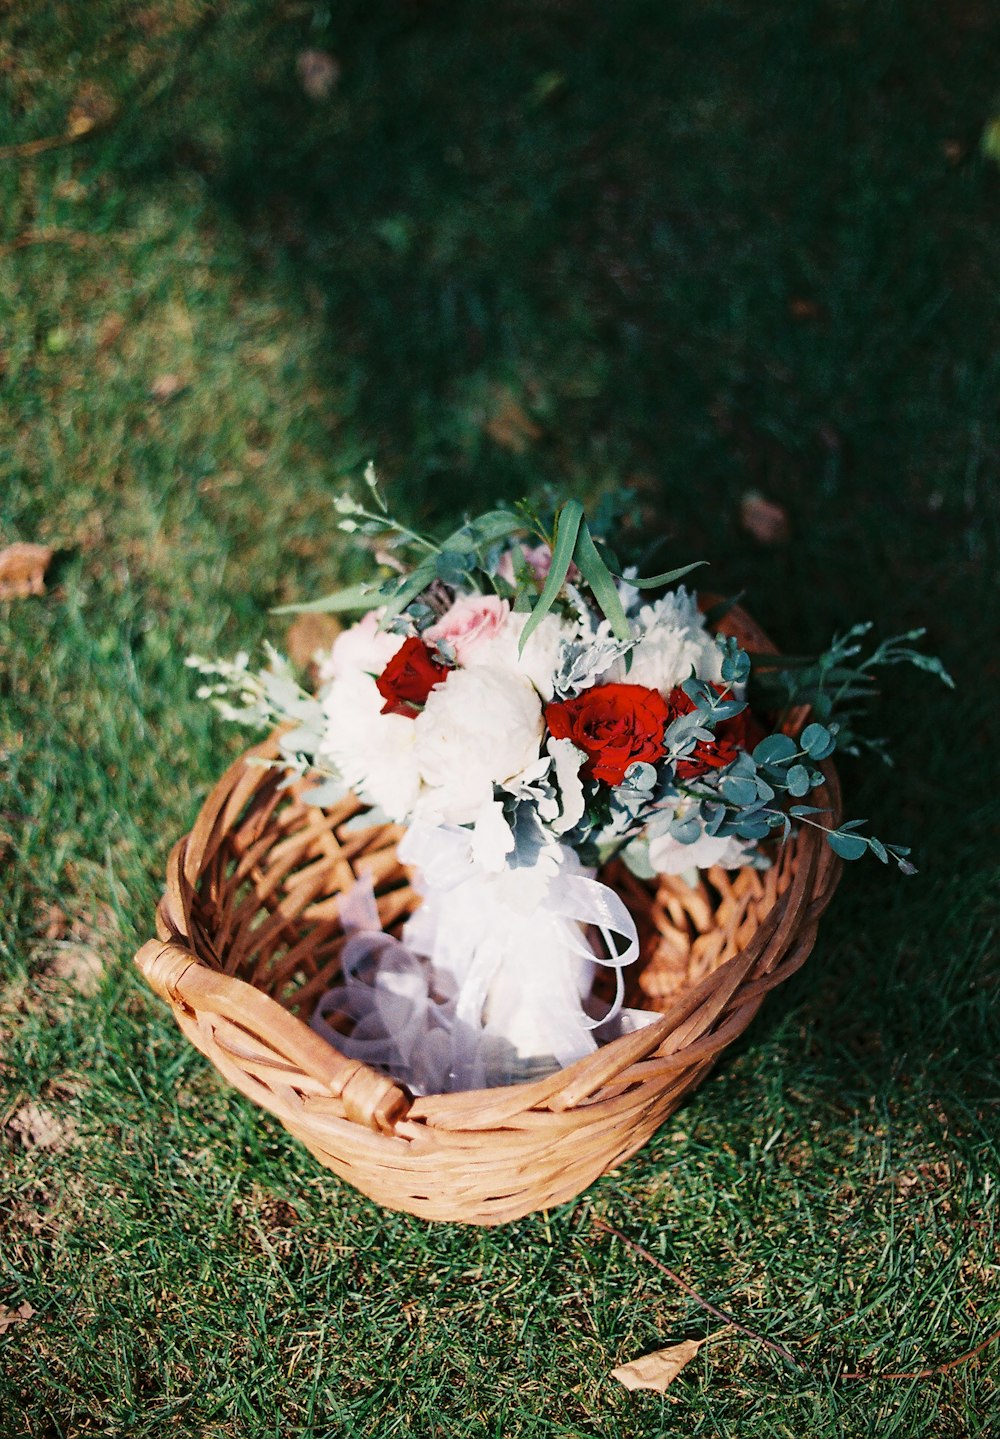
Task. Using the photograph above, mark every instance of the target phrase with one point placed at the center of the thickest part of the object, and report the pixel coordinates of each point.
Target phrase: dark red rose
(730, 736)
(614, 725)
(409, 677)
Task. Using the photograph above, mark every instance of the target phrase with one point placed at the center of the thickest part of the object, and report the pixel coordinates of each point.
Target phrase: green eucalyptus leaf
(797, 780)
(817, 741)
(775, 749)
(848, 846)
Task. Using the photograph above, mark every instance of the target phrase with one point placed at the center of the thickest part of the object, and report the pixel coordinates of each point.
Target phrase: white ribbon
(492, 982)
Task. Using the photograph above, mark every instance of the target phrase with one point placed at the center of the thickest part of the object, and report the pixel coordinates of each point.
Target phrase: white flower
(669, 856)
(672, 642)
(482, 727)
(568, 761)
(362, 649)
(373, 753)
(492, 838)
(539, 658)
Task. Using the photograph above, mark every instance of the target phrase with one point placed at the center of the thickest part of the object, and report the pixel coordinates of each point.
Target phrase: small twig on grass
(722, 1314)
(28, 148)
(932, 1369)
(76, 239)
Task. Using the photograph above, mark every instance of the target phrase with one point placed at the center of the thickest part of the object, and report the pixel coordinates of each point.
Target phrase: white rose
(373, 753)
(482, 727)
(540, 656)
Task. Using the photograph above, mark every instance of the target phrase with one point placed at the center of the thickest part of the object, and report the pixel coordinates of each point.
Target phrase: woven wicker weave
(249, 939)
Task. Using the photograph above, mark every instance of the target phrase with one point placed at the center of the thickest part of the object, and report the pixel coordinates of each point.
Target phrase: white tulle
(492, 981)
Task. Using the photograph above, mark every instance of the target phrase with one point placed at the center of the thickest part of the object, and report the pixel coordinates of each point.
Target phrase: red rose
(730, 736)
(409, 677)
(614, 725)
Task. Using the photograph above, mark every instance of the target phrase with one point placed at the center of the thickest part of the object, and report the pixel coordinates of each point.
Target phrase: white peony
(373, 753)
(362, 649)
(672, 642)
(541, 653)
(482, 727)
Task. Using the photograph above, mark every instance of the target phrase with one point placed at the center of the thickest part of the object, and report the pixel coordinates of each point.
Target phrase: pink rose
(539, 562)
(471, 620)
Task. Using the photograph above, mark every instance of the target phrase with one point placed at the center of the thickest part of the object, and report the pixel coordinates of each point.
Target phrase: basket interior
(264, 902)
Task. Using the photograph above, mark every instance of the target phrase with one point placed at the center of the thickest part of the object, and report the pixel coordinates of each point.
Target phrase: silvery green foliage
(839, 685)
(581, 662)
(267, 699)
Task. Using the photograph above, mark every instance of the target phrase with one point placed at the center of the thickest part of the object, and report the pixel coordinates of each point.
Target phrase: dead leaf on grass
(765, 520)
(318, 73)
(509, 424)
(659, 1369)
(10, 1317)
(308, 634)
(38, 1128)
(22, 570)
(165, 387)
(78, 965)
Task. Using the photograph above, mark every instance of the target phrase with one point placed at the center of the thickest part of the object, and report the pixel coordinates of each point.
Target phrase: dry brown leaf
(510, 425)
(803, 309)
(22, 570)
(78, 965)
(659, 1369)
(307, 634)
(110, 330)
(764, 519)
(165, 387)
(10, 1317)
(38, 1128)
(318, 73)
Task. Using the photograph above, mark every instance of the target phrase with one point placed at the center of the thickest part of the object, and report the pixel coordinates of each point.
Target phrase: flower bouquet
(530, 709)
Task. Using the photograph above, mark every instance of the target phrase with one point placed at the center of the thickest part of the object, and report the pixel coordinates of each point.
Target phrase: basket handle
(188, 985)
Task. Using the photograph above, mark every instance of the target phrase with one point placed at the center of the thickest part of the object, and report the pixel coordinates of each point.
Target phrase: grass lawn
(696, 249)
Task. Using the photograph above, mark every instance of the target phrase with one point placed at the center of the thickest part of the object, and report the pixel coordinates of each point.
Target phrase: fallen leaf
(22, 570)
(764, 519)
(509, 424)
(10, 1317)
(78, 965)
(54, 922)
(165, 387)
(318, 73)
(659, 1369)
(802, 309)
(38, 1128)
(110, 330)
(308, 634)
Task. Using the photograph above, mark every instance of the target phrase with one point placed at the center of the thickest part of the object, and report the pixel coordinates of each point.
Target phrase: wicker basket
(249, 939)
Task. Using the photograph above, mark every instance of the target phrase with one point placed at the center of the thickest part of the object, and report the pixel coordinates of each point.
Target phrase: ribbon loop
(492, 981)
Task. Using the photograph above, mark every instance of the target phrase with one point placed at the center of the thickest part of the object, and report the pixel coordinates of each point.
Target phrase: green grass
(693, 248)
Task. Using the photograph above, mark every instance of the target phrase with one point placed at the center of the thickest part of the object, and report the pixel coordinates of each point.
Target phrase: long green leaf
(567, 528)
(352, 597)
(656, 581)
(588, 561)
